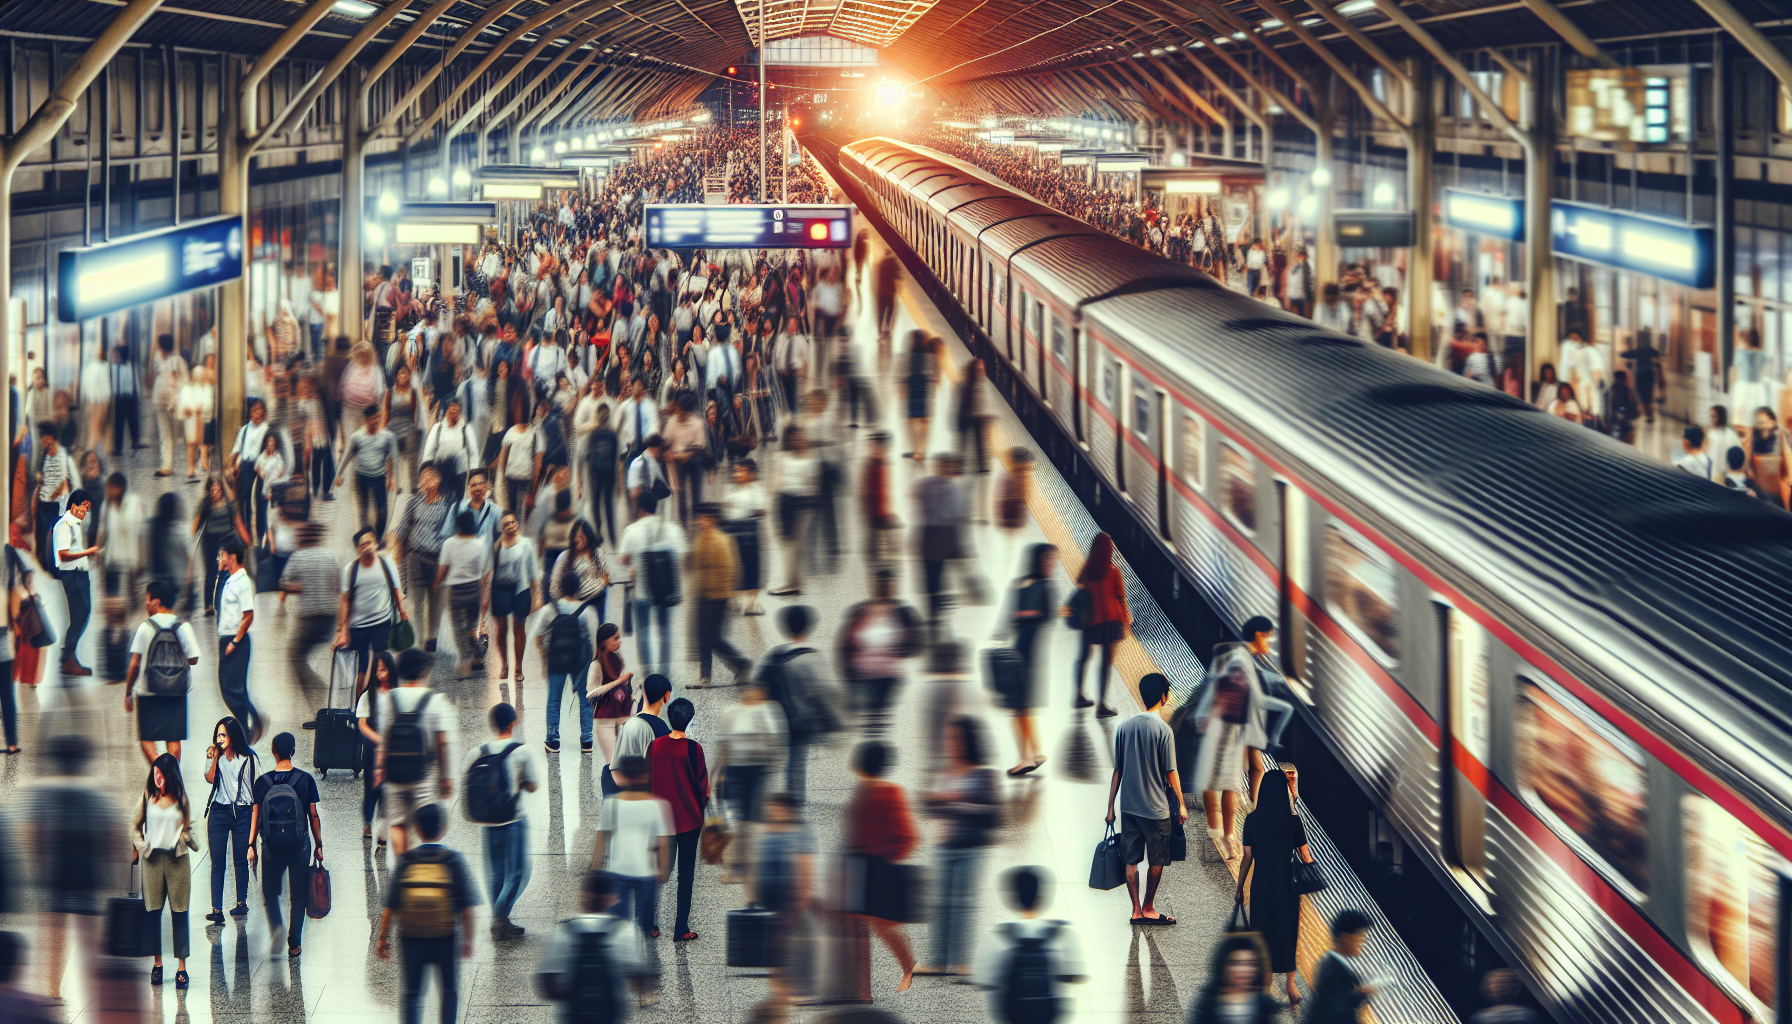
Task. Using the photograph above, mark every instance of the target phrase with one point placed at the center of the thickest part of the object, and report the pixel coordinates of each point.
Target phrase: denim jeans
(1282, 712)
(227, 828)
(294, 867)
(418, 955)
(78, 587)
(645, 612)
(957, 882)
(507, 866)
(556, 682)
(644, 893)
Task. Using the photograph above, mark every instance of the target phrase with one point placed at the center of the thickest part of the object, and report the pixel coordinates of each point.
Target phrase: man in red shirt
(681, 778)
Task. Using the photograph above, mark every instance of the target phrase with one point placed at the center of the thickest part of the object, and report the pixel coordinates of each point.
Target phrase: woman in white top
(162, 833)
(516, 464)
(1565, 406)
(464, 567)
(270, 471)
(516, 593)
(170, 377)
(382, 677)
(743, 518)
(194, 409)
(231, 769)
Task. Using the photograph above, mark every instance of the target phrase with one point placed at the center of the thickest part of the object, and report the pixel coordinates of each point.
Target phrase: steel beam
(1324, 9)
(253, 76)
(297, 109)
(1583, 43)
(523, 93)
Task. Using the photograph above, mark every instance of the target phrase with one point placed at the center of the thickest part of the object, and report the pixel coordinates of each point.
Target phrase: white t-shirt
(635, 827)
(650, 533)
(238, 597)
(523, 765)
(236, 780)
(520, 445)
(467, 559)
(146, 632)
(69, 534)
(371, 603)
(438, 717)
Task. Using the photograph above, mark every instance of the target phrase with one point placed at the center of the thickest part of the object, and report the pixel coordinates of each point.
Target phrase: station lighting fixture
(1277, 198)
(1179, 159)
(559, 147)
(1322, 176)
(538, 154)
(461, 177)
(1193, 186)
(510, 190)
(1383, 195)
(1138, 56)
(373, 234)
(591, 141)
(388, 203)
(411, 233)
(1271, 23)
(1309, 206)
(1354, 7)
(355, 8)
(437, 187)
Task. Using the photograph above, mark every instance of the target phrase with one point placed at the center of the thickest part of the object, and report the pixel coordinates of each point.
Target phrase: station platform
(1054, 817)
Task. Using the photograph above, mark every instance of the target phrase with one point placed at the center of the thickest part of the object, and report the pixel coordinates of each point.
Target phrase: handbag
(1077, 609)
(1107, 872)
(1240, 921)
(714, 839)
(403, 636)
(1304, 878)
(318, 907)
(32, 624)
(883, 889)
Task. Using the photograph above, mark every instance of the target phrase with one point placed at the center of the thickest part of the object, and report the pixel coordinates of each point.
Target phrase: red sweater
(878, 822)
(681, 778)
(1107, 599)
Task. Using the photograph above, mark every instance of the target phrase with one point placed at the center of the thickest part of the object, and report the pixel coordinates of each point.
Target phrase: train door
(1160, 443)
(1466, 746)
(1291, 638)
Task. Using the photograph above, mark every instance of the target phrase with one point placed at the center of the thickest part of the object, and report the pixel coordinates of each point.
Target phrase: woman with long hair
(879, 828)
(516, 593)
(1031, 611)
(405, 414)
(161, 834)
(1564, 406)
(1273, 836)
(923, 368)
(1543, 393)
(231, 768)
(1106, 619)
(610, 700)
(1236, 980)
(382, 676)
(216, 519)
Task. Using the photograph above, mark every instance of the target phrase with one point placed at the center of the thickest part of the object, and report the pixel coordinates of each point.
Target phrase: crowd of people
(589, 415)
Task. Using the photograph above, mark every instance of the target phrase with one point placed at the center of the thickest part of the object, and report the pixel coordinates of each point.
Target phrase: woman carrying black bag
(1273, 838)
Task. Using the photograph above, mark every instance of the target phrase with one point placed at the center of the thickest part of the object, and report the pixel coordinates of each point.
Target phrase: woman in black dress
(1033, 608)
(1273, 835)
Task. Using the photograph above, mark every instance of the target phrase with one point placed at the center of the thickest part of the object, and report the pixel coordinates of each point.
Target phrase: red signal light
(818, 231)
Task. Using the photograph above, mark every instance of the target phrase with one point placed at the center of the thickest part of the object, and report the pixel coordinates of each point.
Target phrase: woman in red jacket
(878, 824)
(1105, 619)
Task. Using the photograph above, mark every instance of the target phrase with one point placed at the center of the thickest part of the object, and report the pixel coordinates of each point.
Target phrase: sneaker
(553, 746)
(584, 748)
(1082, 702)
(1105, 712)
(240, 910)
(513, 931)
(430, 647)
(215, 917)
(277, 946)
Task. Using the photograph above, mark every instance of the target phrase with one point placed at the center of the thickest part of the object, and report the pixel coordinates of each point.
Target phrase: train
(1561, 670)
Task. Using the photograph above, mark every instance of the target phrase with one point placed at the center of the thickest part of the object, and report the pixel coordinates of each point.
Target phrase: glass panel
(1110, 375)
(1361, 589)
(1732, 899)
(1596, 791)
(1060, 340)
(1238, 483)
(1191, 452)
(1141, 415)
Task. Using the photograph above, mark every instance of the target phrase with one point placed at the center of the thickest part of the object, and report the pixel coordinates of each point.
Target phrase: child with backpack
(1024, 962)
(285, 820)
(498, 775)
(591, 958)
(163, 653)
(413, 746)
(432, 896)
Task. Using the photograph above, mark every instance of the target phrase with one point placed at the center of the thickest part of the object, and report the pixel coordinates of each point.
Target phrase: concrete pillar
(1723, 74)
(348, 253)
(1325, 242)
(1539, 189)
(233, 305)
(1420, 188)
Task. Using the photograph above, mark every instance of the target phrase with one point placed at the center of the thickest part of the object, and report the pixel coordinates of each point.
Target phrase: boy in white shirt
(634, 843)
(159, 722)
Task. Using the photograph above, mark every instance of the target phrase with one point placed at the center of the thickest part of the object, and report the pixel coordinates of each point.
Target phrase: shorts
(400, 802)
(1144, 839)
(506, 601)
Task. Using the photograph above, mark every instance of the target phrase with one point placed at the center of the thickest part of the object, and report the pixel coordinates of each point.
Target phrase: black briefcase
(126, 923)
(750, 937)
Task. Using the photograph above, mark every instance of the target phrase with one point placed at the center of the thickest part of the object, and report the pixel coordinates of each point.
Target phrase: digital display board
(102, 279)
(698, 226)
(1668, 249)
(1392, 229)
(1499, 216)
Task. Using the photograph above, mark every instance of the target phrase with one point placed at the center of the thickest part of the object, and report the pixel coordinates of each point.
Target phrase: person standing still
(1144, 778)
(68, 545)
(235, 603)
(56, 477)
(432, 895)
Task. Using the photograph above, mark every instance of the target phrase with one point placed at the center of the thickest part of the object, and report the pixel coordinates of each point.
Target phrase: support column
(1421, 153)
(233, 306)
(1325, 242)
(1725, 216)
(1539, 189)
(348, 258)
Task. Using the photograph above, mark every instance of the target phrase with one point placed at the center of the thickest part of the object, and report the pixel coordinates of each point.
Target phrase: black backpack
(662, 577)
(282, 816)
(601, 450)
(594, 990)
(1029, 992)
(410, 749)
(553, 440)
(569, 650)
(809, 712)
(165, 669)
(490, 800)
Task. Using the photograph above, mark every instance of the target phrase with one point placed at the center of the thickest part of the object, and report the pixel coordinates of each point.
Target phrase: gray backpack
(166, 672)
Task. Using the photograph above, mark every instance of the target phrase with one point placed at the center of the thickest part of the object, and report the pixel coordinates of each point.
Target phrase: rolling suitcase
(126, 922)
(750, 937)
(336, 738)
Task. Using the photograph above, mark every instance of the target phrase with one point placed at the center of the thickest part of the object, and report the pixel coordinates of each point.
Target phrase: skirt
(746, 542)
(162, 719)
(1104, 632)
(1219, 764)
(920, 395)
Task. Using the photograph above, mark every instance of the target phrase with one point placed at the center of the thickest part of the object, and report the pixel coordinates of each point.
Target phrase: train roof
(975, 217)
(965, 191)
(1003, 240)
(1674, 589)
(1102, 265)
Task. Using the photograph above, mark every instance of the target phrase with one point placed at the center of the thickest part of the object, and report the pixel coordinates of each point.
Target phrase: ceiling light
(1137, 56)
(437, 187)
(372, 234)
(1310, 22)
(461, 178)
(1384, 194)
(1353, 7)
(355, 8)
(388, 203)
(1172, 46)
(538, 154)
(559, 147)
(1271, 23)
(1238, 35)
(1322, 176)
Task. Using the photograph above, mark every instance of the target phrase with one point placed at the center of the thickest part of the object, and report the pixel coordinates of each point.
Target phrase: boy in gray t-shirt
(1144, 780)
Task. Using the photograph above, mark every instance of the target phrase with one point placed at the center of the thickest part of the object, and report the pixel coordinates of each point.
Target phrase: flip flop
(1161, 919)
(1015, 773)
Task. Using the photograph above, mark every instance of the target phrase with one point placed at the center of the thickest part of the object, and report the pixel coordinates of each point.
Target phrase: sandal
(155, 975)
(519, 676)
(686, 937)
(180, 979)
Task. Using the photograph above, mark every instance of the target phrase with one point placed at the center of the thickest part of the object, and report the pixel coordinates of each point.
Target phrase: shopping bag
(713, 841)
(1107, 872)
(1240, 921)
(319, 906)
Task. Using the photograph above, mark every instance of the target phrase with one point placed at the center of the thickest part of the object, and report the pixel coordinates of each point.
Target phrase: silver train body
(1562, 671)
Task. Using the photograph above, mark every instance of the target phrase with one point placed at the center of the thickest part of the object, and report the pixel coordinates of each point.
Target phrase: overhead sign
(552, 177)
(696, 226)
(474, 212)
(1373, 228)
(1499, 216)
(102, 279)
(1668, 249)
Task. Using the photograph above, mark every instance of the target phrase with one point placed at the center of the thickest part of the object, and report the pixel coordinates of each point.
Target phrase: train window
(1238, 487)
(1110, 384)
(1141, 414)
(1732, 902)
(1361, 590)
(1060, 338)
(1587, 777)
(1192, 451)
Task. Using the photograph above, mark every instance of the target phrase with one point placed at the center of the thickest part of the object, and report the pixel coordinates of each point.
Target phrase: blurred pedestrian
(967, 797)
(792, 674)
(432, 896)
(498, 773)
(634, 842)
(594, 958)
(942, 510)
(1229, 719)
(754, 741)
(1022, 962)
(1339, 990)
(370, 605)
(516, 593)
(714, 573)
(71, 552)
(16, 1005)
(1236, 982)
(743, 509)
(652, 547)
(879, 635)
(880, 830)
(381, 679)
(285, 820)
(1031, 607)
(163, 653)
(799, 496)
(411, 769)
(1504, 994)
(464, 569)
(418, 545)
(236, 616)
(784, 882)
(1107, 619)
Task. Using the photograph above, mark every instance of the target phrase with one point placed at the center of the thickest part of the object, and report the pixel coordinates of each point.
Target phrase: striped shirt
(421, 525)
(314, 570)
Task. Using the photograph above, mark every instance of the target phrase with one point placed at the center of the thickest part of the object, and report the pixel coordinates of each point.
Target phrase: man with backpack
(1023, 962)
(163, 653)
(432, 895)
(638, 733)
(413, 746)
(498, 775)
(592, 957)
(285, 808)
(651, 549)
(792, 675)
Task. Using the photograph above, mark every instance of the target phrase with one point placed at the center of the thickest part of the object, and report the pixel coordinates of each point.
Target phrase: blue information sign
(1483, 214)
(1669, 249)
(102, 279)
(743, 226)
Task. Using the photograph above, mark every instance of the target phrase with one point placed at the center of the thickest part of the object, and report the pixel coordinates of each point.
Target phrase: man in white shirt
(68, 546)
(651, 533)
(1518, 324)
(790, 356)
(123, 539)
(546, 363)
(236, 614)
(637, 419)
(159, 603)
(724, 364)
(647, 472)
(413, 696)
